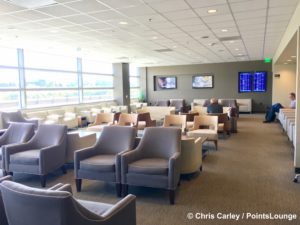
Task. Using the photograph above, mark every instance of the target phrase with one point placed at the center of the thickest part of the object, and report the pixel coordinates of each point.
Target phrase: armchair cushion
(208, 133)
(104, 163)
(29, 157)
(151, 166)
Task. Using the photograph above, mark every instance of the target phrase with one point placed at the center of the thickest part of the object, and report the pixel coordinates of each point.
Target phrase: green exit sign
(268, 60)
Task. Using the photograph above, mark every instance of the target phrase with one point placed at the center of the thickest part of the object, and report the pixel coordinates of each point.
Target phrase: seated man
(214, 106)
(270, 114)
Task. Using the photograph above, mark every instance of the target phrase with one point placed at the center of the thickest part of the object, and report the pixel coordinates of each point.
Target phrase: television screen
(203, 81)
(245, 82)
(260, 81)
(166, 82)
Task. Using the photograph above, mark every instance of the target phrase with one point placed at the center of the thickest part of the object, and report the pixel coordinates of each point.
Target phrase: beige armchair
(175, 121)
(191, 155)
(206, 127)
(127, 119)
(102, 119)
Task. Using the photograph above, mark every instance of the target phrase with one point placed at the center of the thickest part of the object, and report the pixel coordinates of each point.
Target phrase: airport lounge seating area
(143, 112)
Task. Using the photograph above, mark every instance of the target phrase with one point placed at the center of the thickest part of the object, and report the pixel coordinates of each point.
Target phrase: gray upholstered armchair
(155, 162)
(43, 154)
(57, 206)
(102, 161)
(8, 117)
(3, 219)
(16, 133)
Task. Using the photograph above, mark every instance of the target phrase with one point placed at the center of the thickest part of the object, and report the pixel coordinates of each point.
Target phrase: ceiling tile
(170, 5)
(248, 5)
(57, 10)
(87, 6)
(205, 3)
(183, 14)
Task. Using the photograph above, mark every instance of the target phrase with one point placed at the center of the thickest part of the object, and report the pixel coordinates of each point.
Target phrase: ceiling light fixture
(285, 63)
(154, 37)
(123, 23)
(224, 30)
(211, 44)
(289, 60)
(210, 11)
(293, 56)
(231, 42)
(237, 49)
(174, 46)
(53, 31)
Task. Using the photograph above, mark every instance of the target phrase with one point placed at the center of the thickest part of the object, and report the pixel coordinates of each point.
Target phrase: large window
(97, 80)
(134, 79)
(8, 57)
(9, 88)
(33, 79)
(50, 79)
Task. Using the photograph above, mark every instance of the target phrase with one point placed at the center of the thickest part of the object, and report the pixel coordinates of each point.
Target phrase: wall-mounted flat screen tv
(260, 81)
(203, 81)
(169, 82)
(245, 82)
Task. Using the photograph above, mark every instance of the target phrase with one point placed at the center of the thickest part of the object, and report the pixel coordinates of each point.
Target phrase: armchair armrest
(125, 208)
(5, 178)
(83, 154)
(52, 157)
(15, 148)
(174, 170)
(61, 187)
(128, 158)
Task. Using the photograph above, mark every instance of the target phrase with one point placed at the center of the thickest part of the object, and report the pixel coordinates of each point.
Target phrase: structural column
(297, 144)
(121, 83)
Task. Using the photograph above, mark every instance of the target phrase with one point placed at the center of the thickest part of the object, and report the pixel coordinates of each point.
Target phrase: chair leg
(43, 180)
(78, 184)
(172, 197)
(124, 190)
(201, 168)
(64, 169)
(118, 189)
(216, 144)
(179, 183)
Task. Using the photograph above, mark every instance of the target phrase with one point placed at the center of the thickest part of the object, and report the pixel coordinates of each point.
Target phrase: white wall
(283, 85)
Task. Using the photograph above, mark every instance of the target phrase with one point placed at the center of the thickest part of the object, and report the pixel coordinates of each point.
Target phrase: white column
(297, 144)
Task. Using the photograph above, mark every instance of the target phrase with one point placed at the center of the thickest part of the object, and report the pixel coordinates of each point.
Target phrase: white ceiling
(92, 28)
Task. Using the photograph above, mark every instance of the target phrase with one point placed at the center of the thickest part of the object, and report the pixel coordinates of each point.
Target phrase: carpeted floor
(251, 172)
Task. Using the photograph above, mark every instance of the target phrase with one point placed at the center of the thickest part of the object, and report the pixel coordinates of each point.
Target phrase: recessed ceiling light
(293, 56)
(211, 44)
(289, 60)
(237, 49)
(224, 30)
(154, 37)
(174, 46)
(231, 42)
(285, 63)
(123, 23)
(212, 11)
(240, 54)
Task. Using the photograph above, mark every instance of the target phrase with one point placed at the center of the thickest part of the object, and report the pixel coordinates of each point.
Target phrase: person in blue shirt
(214, 106)
(271, 112)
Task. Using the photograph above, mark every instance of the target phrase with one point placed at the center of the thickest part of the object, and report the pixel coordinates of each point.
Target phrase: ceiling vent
(233, 38)
(32, 4)
(164, 50)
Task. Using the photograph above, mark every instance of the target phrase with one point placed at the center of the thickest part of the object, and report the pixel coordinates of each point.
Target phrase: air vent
(234, 38)
(164, 50)
(32, 4)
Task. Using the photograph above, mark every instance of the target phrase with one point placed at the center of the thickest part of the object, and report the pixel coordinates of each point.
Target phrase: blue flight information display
(260, 81)
(245, 81)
